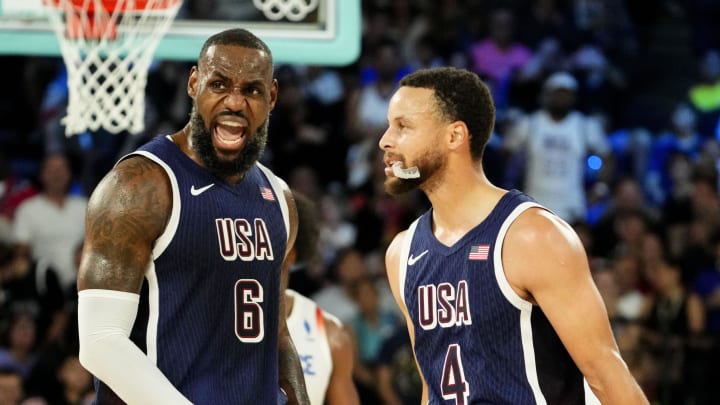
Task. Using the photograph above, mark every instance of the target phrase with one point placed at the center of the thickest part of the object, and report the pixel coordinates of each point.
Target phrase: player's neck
(447, 191)
(459, 206)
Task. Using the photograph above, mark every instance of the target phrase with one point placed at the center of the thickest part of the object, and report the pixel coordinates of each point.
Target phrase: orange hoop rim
(111, 6)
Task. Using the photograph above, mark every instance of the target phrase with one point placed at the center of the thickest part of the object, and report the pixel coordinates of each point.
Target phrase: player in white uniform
(556, 141)
(325, 348)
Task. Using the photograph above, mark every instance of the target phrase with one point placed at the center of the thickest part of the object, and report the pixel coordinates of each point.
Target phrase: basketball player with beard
(179, 285)
(496, 290)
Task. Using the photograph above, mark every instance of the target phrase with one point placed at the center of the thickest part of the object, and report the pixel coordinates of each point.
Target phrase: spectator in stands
(11, 386)
(371, 326)
(367, 107)
(707, 286)
(76, 383)
(18, 348)
(336, 297)
(681, 137)
(545, 19)
(32, 286)
(674, 319)
(626, 197)
(13, 191)
(556, 141)
(337, 232)
(398, 380)
(49, 225)
(630, 296)
(704, 94)
(499, 58)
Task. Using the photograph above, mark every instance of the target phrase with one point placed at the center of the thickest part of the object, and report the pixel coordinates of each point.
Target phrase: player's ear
(457, 134)
(192, 82)
(273, 93)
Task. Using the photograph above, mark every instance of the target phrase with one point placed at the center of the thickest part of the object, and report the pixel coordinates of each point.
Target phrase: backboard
(319, 32)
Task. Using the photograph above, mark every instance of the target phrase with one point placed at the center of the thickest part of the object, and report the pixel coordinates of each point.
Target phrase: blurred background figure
(555, 143)
(11, 386)
(398, 380)
(13, 191)
(49, 225)
(19, 346)
(674, 324)
(371, 327)
(34, 287)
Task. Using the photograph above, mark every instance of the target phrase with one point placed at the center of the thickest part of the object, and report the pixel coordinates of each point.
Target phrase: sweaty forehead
(412, 101)
(231, 60)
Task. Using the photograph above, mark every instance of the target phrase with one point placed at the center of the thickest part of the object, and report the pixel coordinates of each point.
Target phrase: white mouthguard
(409, 173)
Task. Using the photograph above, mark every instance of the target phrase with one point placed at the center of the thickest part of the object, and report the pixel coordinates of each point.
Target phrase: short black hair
(308, 234)
(461, 96)
(236, 37)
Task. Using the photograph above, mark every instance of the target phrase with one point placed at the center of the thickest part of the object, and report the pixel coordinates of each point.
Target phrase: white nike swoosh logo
(412, 260)
(197, 191)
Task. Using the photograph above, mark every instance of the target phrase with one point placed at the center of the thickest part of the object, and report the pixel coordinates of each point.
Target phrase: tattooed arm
(126, 213)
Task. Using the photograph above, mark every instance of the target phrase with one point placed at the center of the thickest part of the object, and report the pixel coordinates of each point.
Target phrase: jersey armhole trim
(404, 253)
(168, 233)
(500, 276)
(278, 185)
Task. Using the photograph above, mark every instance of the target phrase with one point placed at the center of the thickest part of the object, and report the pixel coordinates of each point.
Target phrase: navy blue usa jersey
(209, 306)
(476, 340)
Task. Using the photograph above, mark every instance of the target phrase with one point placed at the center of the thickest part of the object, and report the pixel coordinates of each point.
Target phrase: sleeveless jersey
(476, 340)
(208, 314)
(307, 328)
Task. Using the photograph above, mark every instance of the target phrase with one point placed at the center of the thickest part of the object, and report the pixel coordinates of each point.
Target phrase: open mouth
(229, 133)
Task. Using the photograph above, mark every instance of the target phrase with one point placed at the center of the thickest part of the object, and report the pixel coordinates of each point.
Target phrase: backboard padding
(329, 36)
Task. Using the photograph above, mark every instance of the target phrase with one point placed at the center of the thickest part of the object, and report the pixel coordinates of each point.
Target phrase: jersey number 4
(453, 384)
(249, 326)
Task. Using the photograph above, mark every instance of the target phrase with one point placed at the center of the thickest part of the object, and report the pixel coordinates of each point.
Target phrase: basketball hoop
(107, 46)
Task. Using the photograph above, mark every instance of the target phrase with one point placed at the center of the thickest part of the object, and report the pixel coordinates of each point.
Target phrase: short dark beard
(430, 164)
(203, 146)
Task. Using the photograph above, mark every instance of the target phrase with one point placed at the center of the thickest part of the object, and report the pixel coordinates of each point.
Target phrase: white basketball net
(108, 54)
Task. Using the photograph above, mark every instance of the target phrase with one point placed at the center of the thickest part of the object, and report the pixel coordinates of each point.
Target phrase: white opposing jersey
(306, 324)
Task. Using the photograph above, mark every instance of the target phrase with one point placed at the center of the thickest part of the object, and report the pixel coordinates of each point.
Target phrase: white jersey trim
(404, 254)
(153, 312)
(162, 242)
(590, 398)
(278, 185)
(167, 235)
(523, 305)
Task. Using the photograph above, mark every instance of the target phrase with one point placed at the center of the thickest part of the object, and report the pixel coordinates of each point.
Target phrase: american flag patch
(479, 252)
(267, 194)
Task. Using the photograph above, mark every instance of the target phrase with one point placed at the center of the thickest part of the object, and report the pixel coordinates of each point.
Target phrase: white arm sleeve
(105, 319)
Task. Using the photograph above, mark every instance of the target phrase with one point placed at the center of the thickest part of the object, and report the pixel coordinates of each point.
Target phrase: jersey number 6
(249, 327)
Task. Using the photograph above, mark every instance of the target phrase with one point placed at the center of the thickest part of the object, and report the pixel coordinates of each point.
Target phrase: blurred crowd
(638, 179)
